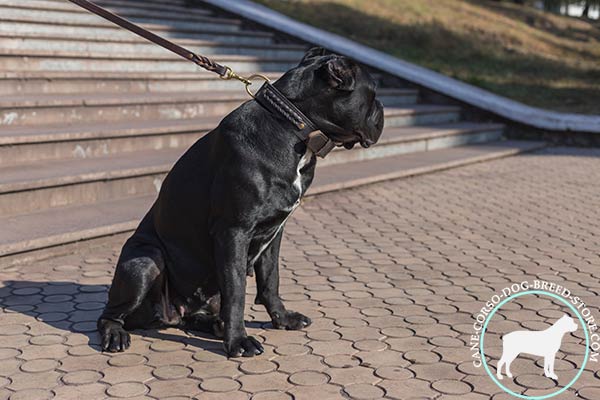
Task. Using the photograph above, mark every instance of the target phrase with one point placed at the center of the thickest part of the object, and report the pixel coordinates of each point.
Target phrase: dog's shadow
(74, 308)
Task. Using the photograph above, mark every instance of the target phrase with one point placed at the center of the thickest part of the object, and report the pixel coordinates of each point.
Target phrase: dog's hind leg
(509, 359)
(136, 274)
(206, 319)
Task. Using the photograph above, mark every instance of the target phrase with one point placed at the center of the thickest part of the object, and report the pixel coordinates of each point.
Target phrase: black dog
(221, 211)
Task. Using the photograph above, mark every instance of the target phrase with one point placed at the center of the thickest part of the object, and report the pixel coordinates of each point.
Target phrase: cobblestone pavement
(392, 275)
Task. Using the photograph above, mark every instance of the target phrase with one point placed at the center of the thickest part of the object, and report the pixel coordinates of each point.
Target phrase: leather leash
(268, 96)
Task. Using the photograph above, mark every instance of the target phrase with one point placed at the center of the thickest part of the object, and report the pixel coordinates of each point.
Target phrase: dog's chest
(298, 188)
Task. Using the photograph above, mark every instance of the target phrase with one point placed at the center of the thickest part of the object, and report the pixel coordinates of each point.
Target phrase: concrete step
(36, 83)
(60, 43)
(87, 177)
(52, 227)
(25, 188)
(421, 114)
(155, 19)
(41, 60)
(71, 109)
(87, 108)
(26, 145)
(413, 139)
(121, 7)
(74, 115)
(107, 32)
(338, 177)
(397, 97)
(70, 224)
(161, 6)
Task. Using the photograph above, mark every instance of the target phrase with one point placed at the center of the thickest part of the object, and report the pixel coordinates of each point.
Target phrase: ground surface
(519, 52)
(391, 274)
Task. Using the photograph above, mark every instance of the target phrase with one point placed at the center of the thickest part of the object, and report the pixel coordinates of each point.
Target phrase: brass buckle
(319, 143)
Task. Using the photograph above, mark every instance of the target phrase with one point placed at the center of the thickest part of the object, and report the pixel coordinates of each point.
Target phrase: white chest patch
(297, 185)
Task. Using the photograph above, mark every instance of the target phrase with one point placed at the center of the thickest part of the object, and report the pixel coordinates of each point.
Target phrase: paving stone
(398, 390)
(40, 365)
(33, 394)
(270, 381)
(392, 290)
(127, 389)
(171, 372)
(166, 345)
(535, 381)
(220, 385)
(332, 347)
(220, 396)
(317, 392)
(81, 377)
(180, 357)
(394, 373)
(341, 361)
(370, 345)
(362, 391)
(137, 373)
(40, 380)
(422, 357)
(258, 366)
(448, 386)
(309, 378)
(292, 350)
(589, 393)
(435, 371)
(176, 387)
(85, 391)
(347, 376)
(126, 360)
(272, 395)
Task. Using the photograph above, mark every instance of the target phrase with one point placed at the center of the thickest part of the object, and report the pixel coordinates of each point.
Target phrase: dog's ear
(312, 53)
(339, 73)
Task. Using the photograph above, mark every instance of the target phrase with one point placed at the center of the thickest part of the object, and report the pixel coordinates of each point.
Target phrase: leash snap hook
(229, 74)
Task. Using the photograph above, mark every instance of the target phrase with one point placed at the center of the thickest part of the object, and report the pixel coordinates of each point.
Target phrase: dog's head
(338, 95)
(567, 323)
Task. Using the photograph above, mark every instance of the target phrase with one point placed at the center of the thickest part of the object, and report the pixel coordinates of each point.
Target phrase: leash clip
(229, 74)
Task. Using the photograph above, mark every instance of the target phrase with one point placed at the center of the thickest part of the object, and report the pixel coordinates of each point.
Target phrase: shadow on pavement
(73, 307)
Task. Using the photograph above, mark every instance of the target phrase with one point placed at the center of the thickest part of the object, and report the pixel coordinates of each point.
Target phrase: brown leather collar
(276, 103)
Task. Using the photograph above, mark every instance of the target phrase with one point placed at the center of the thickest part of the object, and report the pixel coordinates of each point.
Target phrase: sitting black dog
(221, 210)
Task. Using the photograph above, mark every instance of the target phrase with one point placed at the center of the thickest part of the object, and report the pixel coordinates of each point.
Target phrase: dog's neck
(278, 105)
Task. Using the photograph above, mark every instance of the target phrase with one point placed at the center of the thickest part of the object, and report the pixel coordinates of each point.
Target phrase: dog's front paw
(245, 346)
(291, 321)
(552, 376)
(114, 337)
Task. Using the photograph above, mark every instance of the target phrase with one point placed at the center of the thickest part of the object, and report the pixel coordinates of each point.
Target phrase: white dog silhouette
(539, 343)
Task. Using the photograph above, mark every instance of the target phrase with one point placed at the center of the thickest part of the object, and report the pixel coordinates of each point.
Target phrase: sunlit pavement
(393, 276)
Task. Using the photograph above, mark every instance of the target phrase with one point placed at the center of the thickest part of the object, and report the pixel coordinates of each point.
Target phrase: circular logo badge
(542, 343)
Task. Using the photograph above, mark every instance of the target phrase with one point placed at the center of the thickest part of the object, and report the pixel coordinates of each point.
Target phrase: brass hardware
(229, 74)
(254, 77)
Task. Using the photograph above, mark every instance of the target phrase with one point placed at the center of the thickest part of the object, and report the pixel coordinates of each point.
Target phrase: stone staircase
(92, 117)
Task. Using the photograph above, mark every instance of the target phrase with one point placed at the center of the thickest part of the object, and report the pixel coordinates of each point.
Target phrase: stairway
(92, 117)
